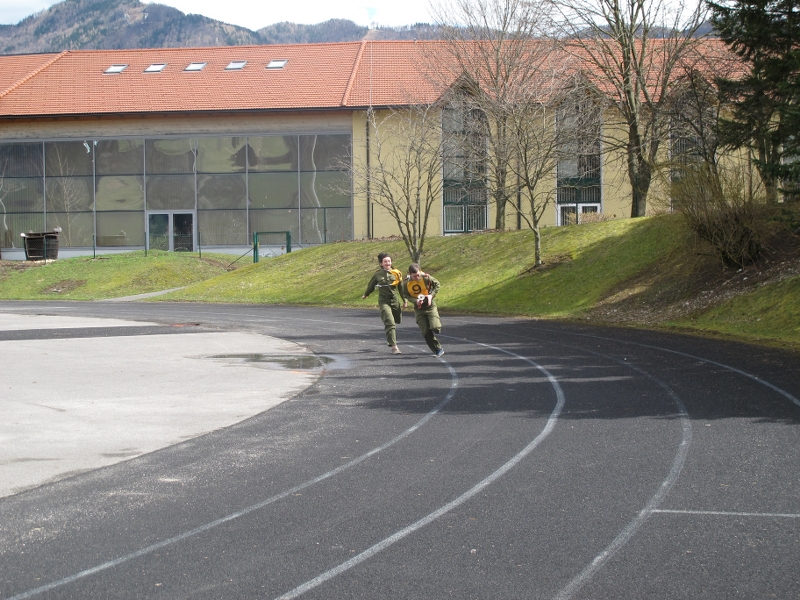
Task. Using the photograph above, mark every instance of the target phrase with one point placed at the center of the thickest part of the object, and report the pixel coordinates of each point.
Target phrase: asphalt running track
(533, 460)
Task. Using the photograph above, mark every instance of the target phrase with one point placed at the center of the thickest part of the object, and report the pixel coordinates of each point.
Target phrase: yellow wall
(381, 223)
(205, 124)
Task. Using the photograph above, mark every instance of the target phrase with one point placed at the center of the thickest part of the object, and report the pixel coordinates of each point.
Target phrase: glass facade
(579, 168)
(464, 194)
(213, 191)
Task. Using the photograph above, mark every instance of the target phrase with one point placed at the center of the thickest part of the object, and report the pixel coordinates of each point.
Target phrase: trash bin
(42, 245)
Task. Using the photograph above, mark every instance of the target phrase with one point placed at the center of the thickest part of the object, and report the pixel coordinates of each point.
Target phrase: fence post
(255, 246)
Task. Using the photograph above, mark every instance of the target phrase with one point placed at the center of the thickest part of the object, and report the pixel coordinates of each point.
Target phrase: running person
(387, 280)
(421, 289)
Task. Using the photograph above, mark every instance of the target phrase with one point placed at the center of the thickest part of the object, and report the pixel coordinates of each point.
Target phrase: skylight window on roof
(195, 66)
(277, 63)
(116, 69)
(236, 65)
(155, 68)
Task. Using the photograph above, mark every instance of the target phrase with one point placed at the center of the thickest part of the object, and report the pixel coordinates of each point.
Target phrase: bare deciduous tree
(402, 168)
(546, 130)
(494, 51)
(633, 49)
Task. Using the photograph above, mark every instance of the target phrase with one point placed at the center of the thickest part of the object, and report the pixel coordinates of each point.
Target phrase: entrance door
(172, 232)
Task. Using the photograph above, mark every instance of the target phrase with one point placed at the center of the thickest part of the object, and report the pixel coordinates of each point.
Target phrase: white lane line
(628, 532)
(725, 513)
(399, 535)
(775, 388)
(245, 511)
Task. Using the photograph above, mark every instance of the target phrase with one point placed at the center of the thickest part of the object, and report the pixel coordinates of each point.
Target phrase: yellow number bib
(415, 288)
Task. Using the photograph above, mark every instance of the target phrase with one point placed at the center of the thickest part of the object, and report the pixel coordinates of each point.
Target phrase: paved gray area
(76, 404)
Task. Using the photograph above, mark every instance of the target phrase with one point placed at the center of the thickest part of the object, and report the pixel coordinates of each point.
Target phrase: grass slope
(637, 272)
(108, 276)
(482, 272)
(770, 313)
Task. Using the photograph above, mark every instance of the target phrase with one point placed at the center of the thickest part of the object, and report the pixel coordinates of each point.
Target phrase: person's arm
(402, 289)
(370, 288)
(434, 286)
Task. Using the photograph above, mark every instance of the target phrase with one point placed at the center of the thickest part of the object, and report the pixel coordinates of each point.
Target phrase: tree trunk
(640, 175)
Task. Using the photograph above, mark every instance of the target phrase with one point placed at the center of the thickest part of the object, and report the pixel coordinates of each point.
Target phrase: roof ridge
(174, 49)
(33, 73)
(351, 81)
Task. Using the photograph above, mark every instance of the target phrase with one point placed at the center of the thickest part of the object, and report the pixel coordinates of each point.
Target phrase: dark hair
(381, 256)
(414, 268)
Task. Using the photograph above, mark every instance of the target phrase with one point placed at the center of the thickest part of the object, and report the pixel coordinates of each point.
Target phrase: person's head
(414, 272)
(385, 260)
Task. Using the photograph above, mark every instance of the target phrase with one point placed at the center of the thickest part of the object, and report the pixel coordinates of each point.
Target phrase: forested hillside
(115, 24)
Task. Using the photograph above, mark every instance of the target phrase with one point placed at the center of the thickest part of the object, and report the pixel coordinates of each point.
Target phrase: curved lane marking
(630, 530)
(399, 535)
(775, 388)
(723, 513)
(203, 528)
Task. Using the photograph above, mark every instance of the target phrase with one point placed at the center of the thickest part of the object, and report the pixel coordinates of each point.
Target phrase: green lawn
(647, 260)
(109, 276)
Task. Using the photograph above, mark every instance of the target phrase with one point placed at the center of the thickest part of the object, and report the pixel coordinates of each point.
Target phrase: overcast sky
(255, 14)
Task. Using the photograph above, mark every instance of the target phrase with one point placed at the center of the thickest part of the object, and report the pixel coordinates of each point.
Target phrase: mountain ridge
(130, 24)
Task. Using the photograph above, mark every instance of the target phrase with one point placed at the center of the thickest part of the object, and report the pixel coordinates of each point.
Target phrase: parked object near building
(42, 245)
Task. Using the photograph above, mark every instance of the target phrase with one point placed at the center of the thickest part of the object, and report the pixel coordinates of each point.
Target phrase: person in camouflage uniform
(421, 289)
(387, 280)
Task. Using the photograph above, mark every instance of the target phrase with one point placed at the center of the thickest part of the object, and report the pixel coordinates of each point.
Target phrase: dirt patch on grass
(694, 281)
(12, 266)
(62, 287)
(551, 263)
(229, 265)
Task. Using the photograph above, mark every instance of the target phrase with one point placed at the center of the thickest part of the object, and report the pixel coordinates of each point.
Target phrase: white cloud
(255, 14)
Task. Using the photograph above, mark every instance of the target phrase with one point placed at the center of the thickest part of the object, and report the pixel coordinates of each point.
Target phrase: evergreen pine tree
(765, 34)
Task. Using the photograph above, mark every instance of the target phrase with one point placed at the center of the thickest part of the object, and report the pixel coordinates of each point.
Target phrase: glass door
(183, 232)
(171, 232)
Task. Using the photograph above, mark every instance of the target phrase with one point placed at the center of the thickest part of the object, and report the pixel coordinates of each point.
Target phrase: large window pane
(11, 225)
(68, 194)
(221, 155)
(324, 189)
(119, 157)
(275, 220)
(68, 159)
(312, 226)
(274, 190)
(222, 227)
(170, 192)
(170, 156)
(21, 160)
(324, 152)
(76, 228)
(338, 224)
(120, 193)
(21, 195)
(221, 191)
(273, 153)
(324, 225)
(120, 229)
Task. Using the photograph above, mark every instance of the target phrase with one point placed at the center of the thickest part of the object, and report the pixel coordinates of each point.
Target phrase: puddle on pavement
(305, 362)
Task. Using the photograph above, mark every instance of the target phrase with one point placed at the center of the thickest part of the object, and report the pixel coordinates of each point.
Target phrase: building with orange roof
(200, 148)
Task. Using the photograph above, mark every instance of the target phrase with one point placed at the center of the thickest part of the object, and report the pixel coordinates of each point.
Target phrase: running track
(533, 460)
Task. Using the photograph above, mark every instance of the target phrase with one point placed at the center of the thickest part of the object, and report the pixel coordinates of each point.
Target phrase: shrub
(721, 209)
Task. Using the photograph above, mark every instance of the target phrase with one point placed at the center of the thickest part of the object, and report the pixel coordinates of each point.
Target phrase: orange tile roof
(15, 70)
(316, 76)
